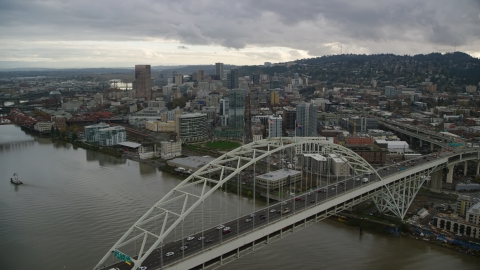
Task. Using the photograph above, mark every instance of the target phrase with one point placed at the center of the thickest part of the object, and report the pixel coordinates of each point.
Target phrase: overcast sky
(121, 33)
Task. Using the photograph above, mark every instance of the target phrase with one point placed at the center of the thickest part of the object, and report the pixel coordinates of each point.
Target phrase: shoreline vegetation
(376, 224)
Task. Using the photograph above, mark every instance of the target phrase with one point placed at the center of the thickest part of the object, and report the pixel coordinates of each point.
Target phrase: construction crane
(354, 126)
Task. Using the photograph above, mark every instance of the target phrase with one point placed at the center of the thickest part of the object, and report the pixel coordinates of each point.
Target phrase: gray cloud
(318, 27)
(182, 47)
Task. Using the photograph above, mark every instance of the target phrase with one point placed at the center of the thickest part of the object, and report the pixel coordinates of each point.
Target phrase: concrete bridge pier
(465, 168)
(478, 168)
(421, 143)
(436, 180)
(450, 174)
(431, 147)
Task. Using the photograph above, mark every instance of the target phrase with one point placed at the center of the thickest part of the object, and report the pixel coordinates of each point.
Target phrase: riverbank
(396, 228)
(75, 143)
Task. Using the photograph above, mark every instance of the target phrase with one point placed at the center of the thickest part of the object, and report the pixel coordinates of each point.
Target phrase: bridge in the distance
(188, 229)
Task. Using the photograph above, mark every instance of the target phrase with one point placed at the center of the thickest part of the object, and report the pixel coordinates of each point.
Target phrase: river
(76, 203)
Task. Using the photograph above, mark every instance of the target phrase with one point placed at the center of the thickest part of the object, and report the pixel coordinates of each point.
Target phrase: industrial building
(170, 149)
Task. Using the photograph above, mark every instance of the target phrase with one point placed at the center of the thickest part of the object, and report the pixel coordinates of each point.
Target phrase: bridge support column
(436, 180)
(421, 143)
(431, 147)
(450, 174)
(478, 168)
(465, 168)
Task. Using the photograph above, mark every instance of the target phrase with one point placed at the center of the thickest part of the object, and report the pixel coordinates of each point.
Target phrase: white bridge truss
(167, 215)
(397, 196)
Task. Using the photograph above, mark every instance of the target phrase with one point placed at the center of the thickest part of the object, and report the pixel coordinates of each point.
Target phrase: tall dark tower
(143, 77)
(219, 69)
(232, 79)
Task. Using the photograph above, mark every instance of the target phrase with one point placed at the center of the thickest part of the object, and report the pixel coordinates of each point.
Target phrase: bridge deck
(276, 212)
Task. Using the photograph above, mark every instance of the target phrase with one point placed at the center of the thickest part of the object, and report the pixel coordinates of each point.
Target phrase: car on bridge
(273, 211)
(190, 238)
(220, 227)
(248, 220)
(226, 230)
(182, 248)
(170, 254)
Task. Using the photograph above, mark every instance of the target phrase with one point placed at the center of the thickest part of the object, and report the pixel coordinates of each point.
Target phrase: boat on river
(14, 180)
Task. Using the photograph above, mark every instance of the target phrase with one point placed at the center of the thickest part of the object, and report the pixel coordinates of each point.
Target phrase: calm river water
(75, 204)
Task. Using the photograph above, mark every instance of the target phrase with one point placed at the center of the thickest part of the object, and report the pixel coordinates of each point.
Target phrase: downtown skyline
(72, 34)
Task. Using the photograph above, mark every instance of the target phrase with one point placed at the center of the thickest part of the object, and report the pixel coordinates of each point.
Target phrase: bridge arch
(244, 157)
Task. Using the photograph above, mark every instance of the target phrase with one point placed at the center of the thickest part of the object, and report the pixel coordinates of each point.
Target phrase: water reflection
(45, 140)
(16, 145)
(104, 159)
(146, 169)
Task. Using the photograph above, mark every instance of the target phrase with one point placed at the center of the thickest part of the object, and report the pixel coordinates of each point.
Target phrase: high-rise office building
(143, 75)
(274, 98)
(289, 117)
(275, 126)
(178, 79)
(307, 116)
(219, 69)
(236, 107)
(224, 106)
(232, 79)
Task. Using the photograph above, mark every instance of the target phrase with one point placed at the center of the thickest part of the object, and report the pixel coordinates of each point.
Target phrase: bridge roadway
(158, 259)
(426, 133)
(420, 136)
(411, 128)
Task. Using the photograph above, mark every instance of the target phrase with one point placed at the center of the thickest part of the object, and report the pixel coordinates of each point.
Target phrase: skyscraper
(232, 79)
(143, 77)
(275, 126)
(219, 69)
(236, 107)
(307, 116)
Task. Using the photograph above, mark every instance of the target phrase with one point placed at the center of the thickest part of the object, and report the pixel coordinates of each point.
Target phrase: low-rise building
(455, 224)
(278, 179)
(92, 134)
(111, 135)
(43, 127)
(473, 214)
(147, 151)
(464, 203)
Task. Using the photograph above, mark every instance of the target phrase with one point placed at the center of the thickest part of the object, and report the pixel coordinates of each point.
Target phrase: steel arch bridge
(172, 216)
